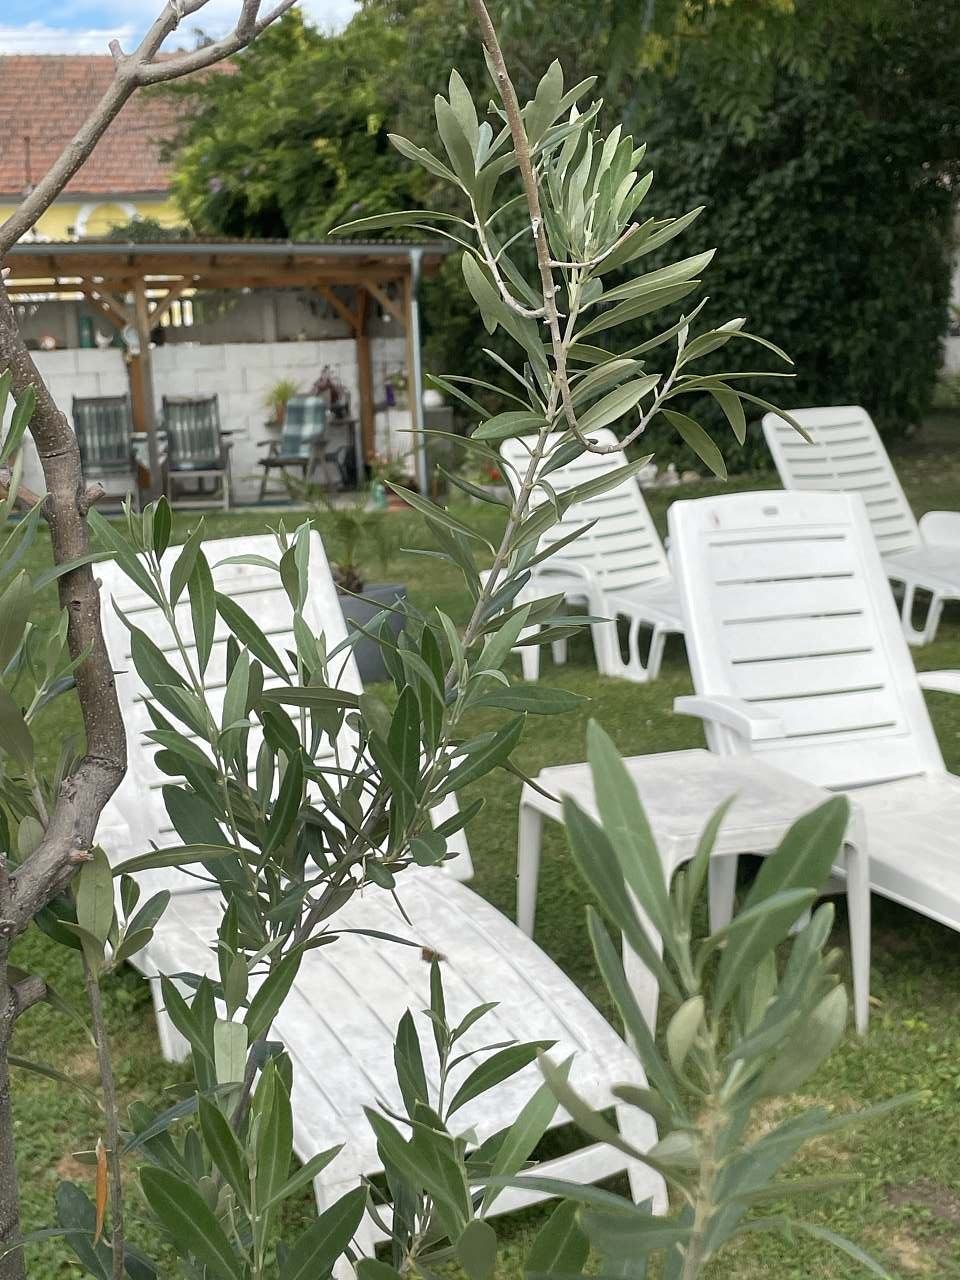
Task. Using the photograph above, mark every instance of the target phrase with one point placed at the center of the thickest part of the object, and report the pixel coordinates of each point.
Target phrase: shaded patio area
(362, 317)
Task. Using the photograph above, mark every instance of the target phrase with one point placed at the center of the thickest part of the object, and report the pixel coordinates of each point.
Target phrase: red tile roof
(44, 98)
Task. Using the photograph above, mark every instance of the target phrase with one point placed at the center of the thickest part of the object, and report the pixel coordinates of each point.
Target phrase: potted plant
(396, 470)
(277, 398)
(486, 476)
(354, 534)
(396, 388)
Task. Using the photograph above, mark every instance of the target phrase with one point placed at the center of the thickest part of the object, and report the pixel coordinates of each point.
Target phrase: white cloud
(216, 17)
(38, 37)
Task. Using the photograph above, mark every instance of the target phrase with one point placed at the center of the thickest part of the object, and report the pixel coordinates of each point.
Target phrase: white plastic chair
(340, 1018)
(798, 657)
(847, 454)
(618, 569)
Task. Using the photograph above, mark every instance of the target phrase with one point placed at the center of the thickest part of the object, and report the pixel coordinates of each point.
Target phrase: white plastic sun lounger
(847, 454)
(798, 657)
(340, 1019)
(618, 569)
(680, 792)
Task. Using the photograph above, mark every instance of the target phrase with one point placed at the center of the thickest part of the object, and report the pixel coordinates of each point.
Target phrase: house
(43, 100)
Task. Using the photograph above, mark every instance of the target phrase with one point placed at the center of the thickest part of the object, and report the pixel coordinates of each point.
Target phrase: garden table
(680, 791)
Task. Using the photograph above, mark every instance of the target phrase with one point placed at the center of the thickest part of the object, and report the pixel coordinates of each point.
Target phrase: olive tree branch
(560, 342)
(531, 189)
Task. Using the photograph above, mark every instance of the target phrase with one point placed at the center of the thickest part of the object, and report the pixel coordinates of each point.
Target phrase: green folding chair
(197, 447)
(301, 440)
(104, 428)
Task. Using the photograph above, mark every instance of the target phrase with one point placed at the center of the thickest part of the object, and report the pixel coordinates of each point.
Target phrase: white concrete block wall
(239, 373)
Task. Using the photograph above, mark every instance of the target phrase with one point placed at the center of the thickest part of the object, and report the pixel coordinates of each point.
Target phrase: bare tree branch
(131, 72)
(184, 64)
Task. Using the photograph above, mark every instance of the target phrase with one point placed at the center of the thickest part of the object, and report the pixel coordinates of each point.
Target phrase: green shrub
(834, 215)
(837, 246)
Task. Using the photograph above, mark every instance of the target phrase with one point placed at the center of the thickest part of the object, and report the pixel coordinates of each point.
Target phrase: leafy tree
(823, 140)
(138, 230)
(291, 143)
(835, 208)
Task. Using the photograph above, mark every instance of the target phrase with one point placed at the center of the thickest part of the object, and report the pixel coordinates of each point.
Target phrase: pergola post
(415, 370)
(365, 376)
(141, 387)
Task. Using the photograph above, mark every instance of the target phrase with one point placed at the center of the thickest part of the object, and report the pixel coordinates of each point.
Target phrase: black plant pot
(376, 596)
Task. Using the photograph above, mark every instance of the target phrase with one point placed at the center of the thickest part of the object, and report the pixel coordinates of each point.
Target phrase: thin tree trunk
(111, 1115)
(12, 1263)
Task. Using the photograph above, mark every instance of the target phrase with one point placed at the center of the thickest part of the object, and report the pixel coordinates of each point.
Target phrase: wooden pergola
(134, 285)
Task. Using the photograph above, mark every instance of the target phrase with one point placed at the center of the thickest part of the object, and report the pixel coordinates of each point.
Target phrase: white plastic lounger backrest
(623, 548)
(787, 607)
(846, 454)
(137, 814)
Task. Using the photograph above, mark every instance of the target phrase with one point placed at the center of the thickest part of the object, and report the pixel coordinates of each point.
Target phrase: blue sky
(85, 26)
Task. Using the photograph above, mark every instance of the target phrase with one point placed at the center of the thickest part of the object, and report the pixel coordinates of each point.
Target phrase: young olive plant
(582, 192)
(288, 790)
(757, 1008)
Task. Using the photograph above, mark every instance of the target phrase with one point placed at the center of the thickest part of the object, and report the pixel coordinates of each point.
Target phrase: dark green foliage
(835, 218)
(821, 138)
(290, 144)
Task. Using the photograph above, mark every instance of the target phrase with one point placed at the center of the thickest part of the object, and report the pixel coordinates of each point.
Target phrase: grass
(905, 1203)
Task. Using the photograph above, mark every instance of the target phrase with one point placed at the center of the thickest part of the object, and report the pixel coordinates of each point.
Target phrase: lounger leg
(173, 1046)
(559, 648)
(635, 1126)
(858, 914)
(633, 668)
(606, 647)
(529, 840)
(933, 618)
(530, 661)
(906, 609)
(920, 635)
(365, 1237)
(655, 657)
(723, 888)
(263, 484)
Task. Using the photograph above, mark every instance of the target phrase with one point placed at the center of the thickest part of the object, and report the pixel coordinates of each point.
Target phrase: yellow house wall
(61, 219)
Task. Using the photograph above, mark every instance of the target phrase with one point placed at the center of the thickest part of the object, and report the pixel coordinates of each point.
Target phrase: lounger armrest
(939, 681)
(748, 721)
(559, 567)
(941, 528)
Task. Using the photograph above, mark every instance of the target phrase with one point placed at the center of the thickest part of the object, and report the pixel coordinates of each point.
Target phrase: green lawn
(905, 1206)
